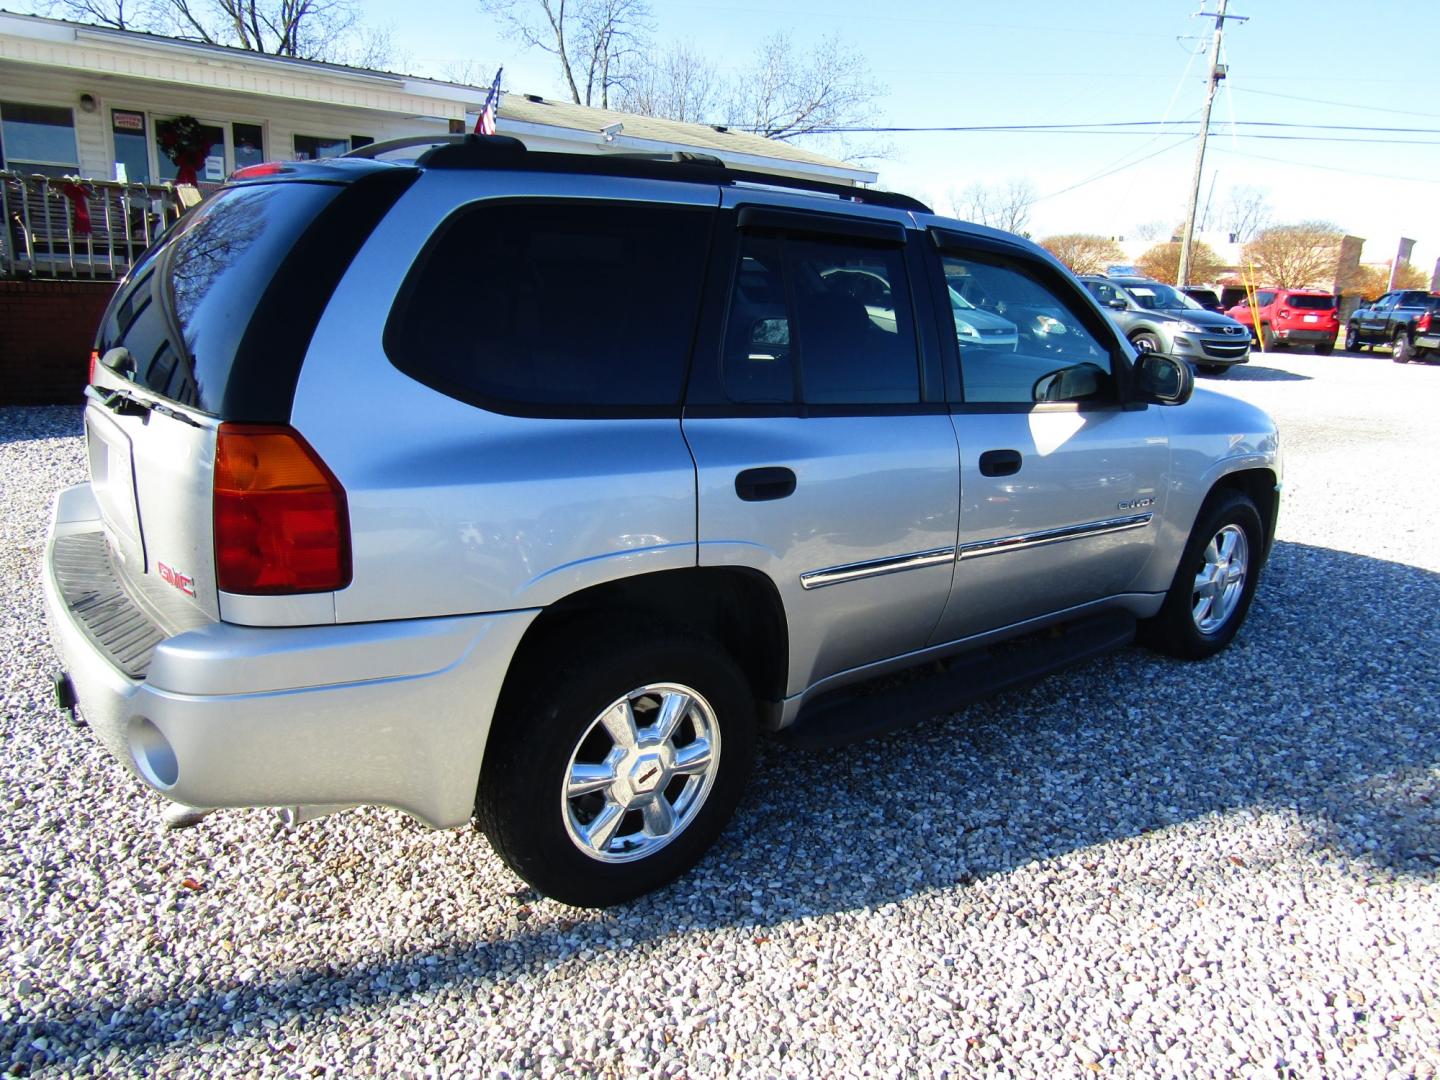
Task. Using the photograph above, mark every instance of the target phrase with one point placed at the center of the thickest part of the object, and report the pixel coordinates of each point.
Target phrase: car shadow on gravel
(1253, 372)
(21, 423)
(1323, 714)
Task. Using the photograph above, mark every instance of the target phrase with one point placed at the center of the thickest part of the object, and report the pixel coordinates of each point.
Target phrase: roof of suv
(503, 153)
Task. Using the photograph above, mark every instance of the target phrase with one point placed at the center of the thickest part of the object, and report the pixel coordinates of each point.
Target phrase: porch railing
(68, 228)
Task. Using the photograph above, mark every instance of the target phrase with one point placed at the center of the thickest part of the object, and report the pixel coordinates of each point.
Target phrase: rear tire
(1268, 341)
(1401, 350)
(1325, 349)
(1352, 339)
(585, 793)
(1214, 583)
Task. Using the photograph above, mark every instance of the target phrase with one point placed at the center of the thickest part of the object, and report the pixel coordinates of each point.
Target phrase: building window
(38, 139)
(249, 143)
(314, 147)
(212, 172)
(132, 149)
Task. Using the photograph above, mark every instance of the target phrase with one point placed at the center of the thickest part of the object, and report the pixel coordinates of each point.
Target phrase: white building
(84, 100)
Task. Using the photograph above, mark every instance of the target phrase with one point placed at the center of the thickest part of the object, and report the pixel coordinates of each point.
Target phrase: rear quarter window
(530, 307)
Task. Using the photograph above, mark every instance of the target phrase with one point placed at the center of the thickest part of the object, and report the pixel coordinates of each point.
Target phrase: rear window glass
(1312, 303)
(185, 307)
(553, 304)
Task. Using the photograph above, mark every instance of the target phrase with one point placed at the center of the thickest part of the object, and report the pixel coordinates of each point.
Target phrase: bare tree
(1162, 262)
(307, 29)
(1001, 206)
(678, 84)
(1291, 256)
(1247, 212)
(597, 43)
(1083, 253)
(1152, 230)
(784, 95)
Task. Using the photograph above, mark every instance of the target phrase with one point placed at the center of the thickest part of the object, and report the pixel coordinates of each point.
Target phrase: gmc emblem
(183, 582)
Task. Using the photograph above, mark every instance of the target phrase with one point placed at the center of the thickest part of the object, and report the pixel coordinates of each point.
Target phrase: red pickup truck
(1290, 316)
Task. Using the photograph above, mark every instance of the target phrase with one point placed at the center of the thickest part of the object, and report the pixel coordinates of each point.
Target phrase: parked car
(1291, 316)
(533, 488)
(1206, 298)
(1161, 318)
(1408, 321)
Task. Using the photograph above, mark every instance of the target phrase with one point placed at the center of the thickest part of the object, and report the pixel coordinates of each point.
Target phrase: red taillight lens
(1284, 313)
(281, 523)
(94, 359)
(1423, 323)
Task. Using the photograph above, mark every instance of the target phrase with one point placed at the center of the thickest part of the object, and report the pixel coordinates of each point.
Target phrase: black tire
(1325, 348)
(550, 719)
(1214, 369)
(1150, 341)
(1352, 339)
(1401, 350)
(1176, 629)
(1268, 341)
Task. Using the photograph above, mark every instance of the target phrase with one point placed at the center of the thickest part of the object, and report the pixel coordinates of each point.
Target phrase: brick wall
(46, 331)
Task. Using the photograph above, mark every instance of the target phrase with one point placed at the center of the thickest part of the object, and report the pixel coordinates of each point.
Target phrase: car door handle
(1000, 462)
(761, 485)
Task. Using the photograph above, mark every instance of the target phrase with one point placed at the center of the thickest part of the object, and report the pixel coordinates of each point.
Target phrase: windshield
(1153, 296)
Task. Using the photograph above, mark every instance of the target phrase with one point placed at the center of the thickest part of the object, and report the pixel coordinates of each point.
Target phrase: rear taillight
(1284, 313)
(1423, 323)
(281, 523)
(94, 359)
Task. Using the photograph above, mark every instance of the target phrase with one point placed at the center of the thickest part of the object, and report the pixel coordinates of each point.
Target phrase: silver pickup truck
(531, 489)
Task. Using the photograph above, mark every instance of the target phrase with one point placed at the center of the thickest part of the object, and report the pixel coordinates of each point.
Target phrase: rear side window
(218, 315)
(845, 322)
(1311, 303)
(520, 305)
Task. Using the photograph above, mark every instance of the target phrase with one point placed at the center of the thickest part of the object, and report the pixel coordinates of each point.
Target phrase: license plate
(1312, 318)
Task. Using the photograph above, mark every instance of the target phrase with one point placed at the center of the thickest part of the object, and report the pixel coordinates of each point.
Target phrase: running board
(891, 702)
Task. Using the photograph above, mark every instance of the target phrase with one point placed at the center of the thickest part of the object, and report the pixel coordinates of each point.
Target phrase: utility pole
(1217, 73)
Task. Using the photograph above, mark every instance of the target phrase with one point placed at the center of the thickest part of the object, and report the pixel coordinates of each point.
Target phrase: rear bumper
(1310, 335)
(393, 714)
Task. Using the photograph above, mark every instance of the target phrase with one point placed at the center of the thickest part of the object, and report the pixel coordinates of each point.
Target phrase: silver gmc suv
(530, 488)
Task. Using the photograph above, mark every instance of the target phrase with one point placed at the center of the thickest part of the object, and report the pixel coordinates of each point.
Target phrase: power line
(1330, 168)
(1112, 172)
(1324, 101)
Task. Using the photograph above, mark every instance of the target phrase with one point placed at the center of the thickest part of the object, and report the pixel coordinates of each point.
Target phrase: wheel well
(735, 606)
(1259, 486)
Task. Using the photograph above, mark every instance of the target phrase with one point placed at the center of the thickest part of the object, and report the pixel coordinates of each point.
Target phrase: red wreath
(186, 145)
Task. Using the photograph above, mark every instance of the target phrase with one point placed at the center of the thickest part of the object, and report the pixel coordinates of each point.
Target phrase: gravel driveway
(1137, 868)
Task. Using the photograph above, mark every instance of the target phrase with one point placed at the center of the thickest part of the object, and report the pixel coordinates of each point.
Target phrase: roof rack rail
(505, 152)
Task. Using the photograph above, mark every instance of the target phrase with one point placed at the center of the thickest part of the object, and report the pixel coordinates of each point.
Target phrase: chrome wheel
(1221, 580)
(640, 772)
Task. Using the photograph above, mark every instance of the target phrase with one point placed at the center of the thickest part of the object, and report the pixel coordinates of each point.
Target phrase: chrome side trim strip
(894, 564)
(1022, 541)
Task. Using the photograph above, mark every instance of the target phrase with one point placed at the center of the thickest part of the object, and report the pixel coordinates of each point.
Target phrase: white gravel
(1137, 868)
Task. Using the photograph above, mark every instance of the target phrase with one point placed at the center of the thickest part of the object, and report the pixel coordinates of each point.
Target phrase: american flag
(485, 123)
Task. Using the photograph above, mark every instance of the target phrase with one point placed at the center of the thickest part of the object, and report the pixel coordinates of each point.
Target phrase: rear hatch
(1308, 310)
(211, 328)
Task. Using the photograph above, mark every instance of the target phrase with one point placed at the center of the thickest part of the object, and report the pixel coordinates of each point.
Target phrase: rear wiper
(124, 403)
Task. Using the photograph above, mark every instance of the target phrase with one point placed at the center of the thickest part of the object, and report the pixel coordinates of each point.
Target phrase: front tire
(1214, 582)
(612, 775)
(1352, 339)
(1401, 350)
(1214, 369)
(1146, 341)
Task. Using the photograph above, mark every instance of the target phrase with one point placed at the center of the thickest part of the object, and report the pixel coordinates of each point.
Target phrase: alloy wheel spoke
(586, 778)
(672, 713)
(693, 757)
(620, 724)
(659, 816)
(602, 830)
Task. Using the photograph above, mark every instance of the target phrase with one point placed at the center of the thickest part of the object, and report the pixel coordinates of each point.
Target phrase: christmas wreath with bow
(186, 145)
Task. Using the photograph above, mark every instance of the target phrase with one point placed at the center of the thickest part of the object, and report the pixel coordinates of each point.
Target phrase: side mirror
(1117, 304)
(1163, 379)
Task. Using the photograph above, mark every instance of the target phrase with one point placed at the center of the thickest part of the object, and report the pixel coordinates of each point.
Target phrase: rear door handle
(761, 485)
(1000, 462)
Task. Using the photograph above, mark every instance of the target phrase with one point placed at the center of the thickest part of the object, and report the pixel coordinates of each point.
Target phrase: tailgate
(153, 474)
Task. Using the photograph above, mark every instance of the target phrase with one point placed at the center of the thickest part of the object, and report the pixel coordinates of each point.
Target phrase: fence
(68, 228)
